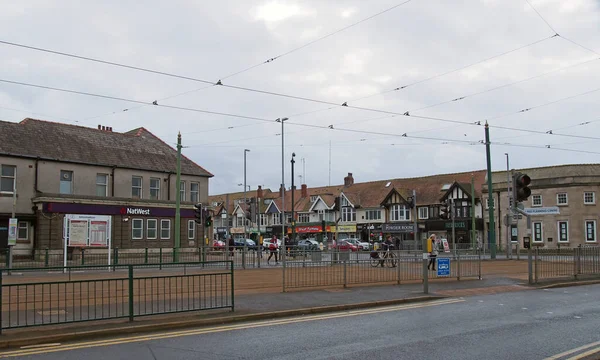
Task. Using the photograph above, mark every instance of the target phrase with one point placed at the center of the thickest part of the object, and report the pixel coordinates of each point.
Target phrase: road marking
(523, 308)
(223, 328)
(573, 351)
(585, 354)
(39, 346)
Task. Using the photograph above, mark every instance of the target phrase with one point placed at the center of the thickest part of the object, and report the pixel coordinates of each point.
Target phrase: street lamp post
(293, 190)
(282, 121)
(245, 201)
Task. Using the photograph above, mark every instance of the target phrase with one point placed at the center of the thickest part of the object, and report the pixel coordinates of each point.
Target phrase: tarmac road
(534, 324)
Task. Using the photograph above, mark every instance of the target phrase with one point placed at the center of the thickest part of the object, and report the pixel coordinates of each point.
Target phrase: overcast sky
(408, 44)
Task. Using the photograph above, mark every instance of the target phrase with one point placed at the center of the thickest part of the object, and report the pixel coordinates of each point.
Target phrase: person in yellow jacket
(432, 248)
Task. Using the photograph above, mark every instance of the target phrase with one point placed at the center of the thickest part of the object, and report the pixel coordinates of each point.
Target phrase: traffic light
(208, 222)
(521, 191)
(444, 212)
(198, 213)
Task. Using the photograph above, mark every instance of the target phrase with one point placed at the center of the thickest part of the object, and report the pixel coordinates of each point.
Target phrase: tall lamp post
(282, 121)
(245, 201)
(293, 190)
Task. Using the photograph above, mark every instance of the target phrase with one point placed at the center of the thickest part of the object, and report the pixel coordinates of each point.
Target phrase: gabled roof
(466, 188)
(319, 199)
(135, 149)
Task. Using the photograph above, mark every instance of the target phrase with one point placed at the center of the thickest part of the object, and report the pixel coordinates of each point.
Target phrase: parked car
(345, 245)
(359, 244)
(249, 243)
(267, 242)
(308, 245)
(219, 245)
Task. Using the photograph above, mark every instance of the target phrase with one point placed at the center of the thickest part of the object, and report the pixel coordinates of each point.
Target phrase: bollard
(345, 279)
(174, 254)
(160, 259)
(244, 257)
(82, 256)
(146, 256)
(537, 250)
(130, 273)
(46, 262)
(457, 266)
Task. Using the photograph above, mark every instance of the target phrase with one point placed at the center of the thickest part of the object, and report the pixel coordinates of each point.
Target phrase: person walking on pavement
(231, 244)
(388, 244)
(433, 251)
(273, 248)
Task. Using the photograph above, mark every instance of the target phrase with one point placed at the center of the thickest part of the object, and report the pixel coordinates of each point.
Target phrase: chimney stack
(304, 191)
(99, 127)
(259, 192)
(348, 180)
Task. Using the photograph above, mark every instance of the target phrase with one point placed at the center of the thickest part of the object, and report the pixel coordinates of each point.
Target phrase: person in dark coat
(231, 244)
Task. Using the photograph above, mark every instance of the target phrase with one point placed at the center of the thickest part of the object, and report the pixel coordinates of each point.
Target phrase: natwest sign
(135, 211)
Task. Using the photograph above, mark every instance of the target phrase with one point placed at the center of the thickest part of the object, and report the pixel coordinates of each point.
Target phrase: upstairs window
(136, 187)
(8, 176)
(66, 182)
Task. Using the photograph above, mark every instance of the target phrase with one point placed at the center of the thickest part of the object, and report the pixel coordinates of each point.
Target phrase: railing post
(243, 257)
(399, 273)
(46, 260)
(82, 256)
(345, 279)
(130, 268)
(479, 263)
(160, 260)
(578, 261)
(232, 286)
(146, 256)
(457, 266)
(536, 265)
(174, 254)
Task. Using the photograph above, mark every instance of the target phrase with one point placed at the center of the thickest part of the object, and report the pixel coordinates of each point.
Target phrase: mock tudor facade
(90, 186)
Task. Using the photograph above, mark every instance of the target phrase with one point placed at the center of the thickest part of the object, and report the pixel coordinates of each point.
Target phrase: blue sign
(443, 267)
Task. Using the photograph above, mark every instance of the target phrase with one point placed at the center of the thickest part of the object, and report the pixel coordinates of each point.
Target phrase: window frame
(264, 220)
(105, 185)
(396, 210)
(276, 218)
(421, 217)
(155, 229)
(559, 231)
(163, 221)
(157, 189)
(141, 187)
(191, 230)
(303, 218)
(369, 215)
(14, 178)
(348, 214)
(71, 186)
(558, 203)
(194, 194)
(585, 225)
(19, 228)
(182, 188)
(533, 197)
(133, 229)
(533, 225)
(593, 202)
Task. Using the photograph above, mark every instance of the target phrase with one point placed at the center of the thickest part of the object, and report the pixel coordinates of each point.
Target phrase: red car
(346, 246)
(218, 245)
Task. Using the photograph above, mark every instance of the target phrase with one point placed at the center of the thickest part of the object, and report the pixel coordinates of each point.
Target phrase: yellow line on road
(222, 328)
(572, 351)
(585, 354)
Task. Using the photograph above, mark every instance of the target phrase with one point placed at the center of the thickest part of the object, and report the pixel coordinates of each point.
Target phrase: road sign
(12, 231)
(552, 210)
(443, 267)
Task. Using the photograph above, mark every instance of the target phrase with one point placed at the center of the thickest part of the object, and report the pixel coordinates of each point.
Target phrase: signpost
(12, 231)
(443, 267)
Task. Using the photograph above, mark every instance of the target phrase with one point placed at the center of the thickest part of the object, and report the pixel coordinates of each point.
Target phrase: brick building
(94, 186)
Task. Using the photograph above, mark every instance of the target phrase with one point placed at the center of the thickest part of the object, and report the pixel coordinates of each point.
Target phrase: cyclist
(387, 245)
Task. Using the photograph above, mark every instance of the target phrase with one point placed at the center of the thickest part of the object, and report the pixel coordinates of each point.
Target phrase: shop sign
(101, 209)
(457, 225)
(87, 230)
(397, 228)
(344, 228)
(221, 230)
(237, 230)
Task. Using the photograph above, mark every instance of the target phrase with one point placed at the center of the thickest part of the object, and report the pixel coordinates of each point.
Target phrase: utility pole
(282, 121)
(178, 202)
(509, 213)
(293, 191)
(492, 226)
(416, 220)
(245, 200)
(452, 213)
(473, 230)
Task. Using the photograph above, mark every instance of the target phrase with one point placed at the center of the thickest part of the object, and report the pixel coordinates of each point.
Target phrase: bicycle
(388, 257)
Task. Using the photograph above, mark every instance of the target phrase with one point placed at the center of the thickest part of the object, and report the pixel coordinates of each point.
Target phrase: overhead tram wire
(552, 131)
(477, 123)
(211, 83)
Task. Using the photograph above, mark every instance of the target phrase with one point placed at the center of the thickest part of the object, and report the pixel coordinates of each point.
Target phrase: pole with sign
(12, 227)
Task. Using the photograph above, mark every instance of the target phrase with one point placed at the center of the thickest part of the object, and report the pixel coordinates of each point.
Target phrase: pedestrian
(433, 251)
(273, 248)
(231, 245)
(388, 244)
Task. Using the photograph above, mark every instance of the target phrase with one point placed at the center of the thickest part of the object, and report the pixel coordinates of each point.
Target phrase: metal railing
(131, 292)
(354, 268)
(570, 263)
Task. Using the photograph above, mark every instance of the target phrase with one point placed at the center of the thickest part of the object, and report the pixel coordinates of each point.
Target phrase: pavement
(259, 296)
(536, 324)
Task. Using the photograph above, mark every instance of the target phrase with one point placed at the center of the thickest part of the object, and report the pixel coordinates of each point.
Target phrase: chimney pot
(304, 189)
(99, 127)
(103, 128)
(348, 180)
(259, 192)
